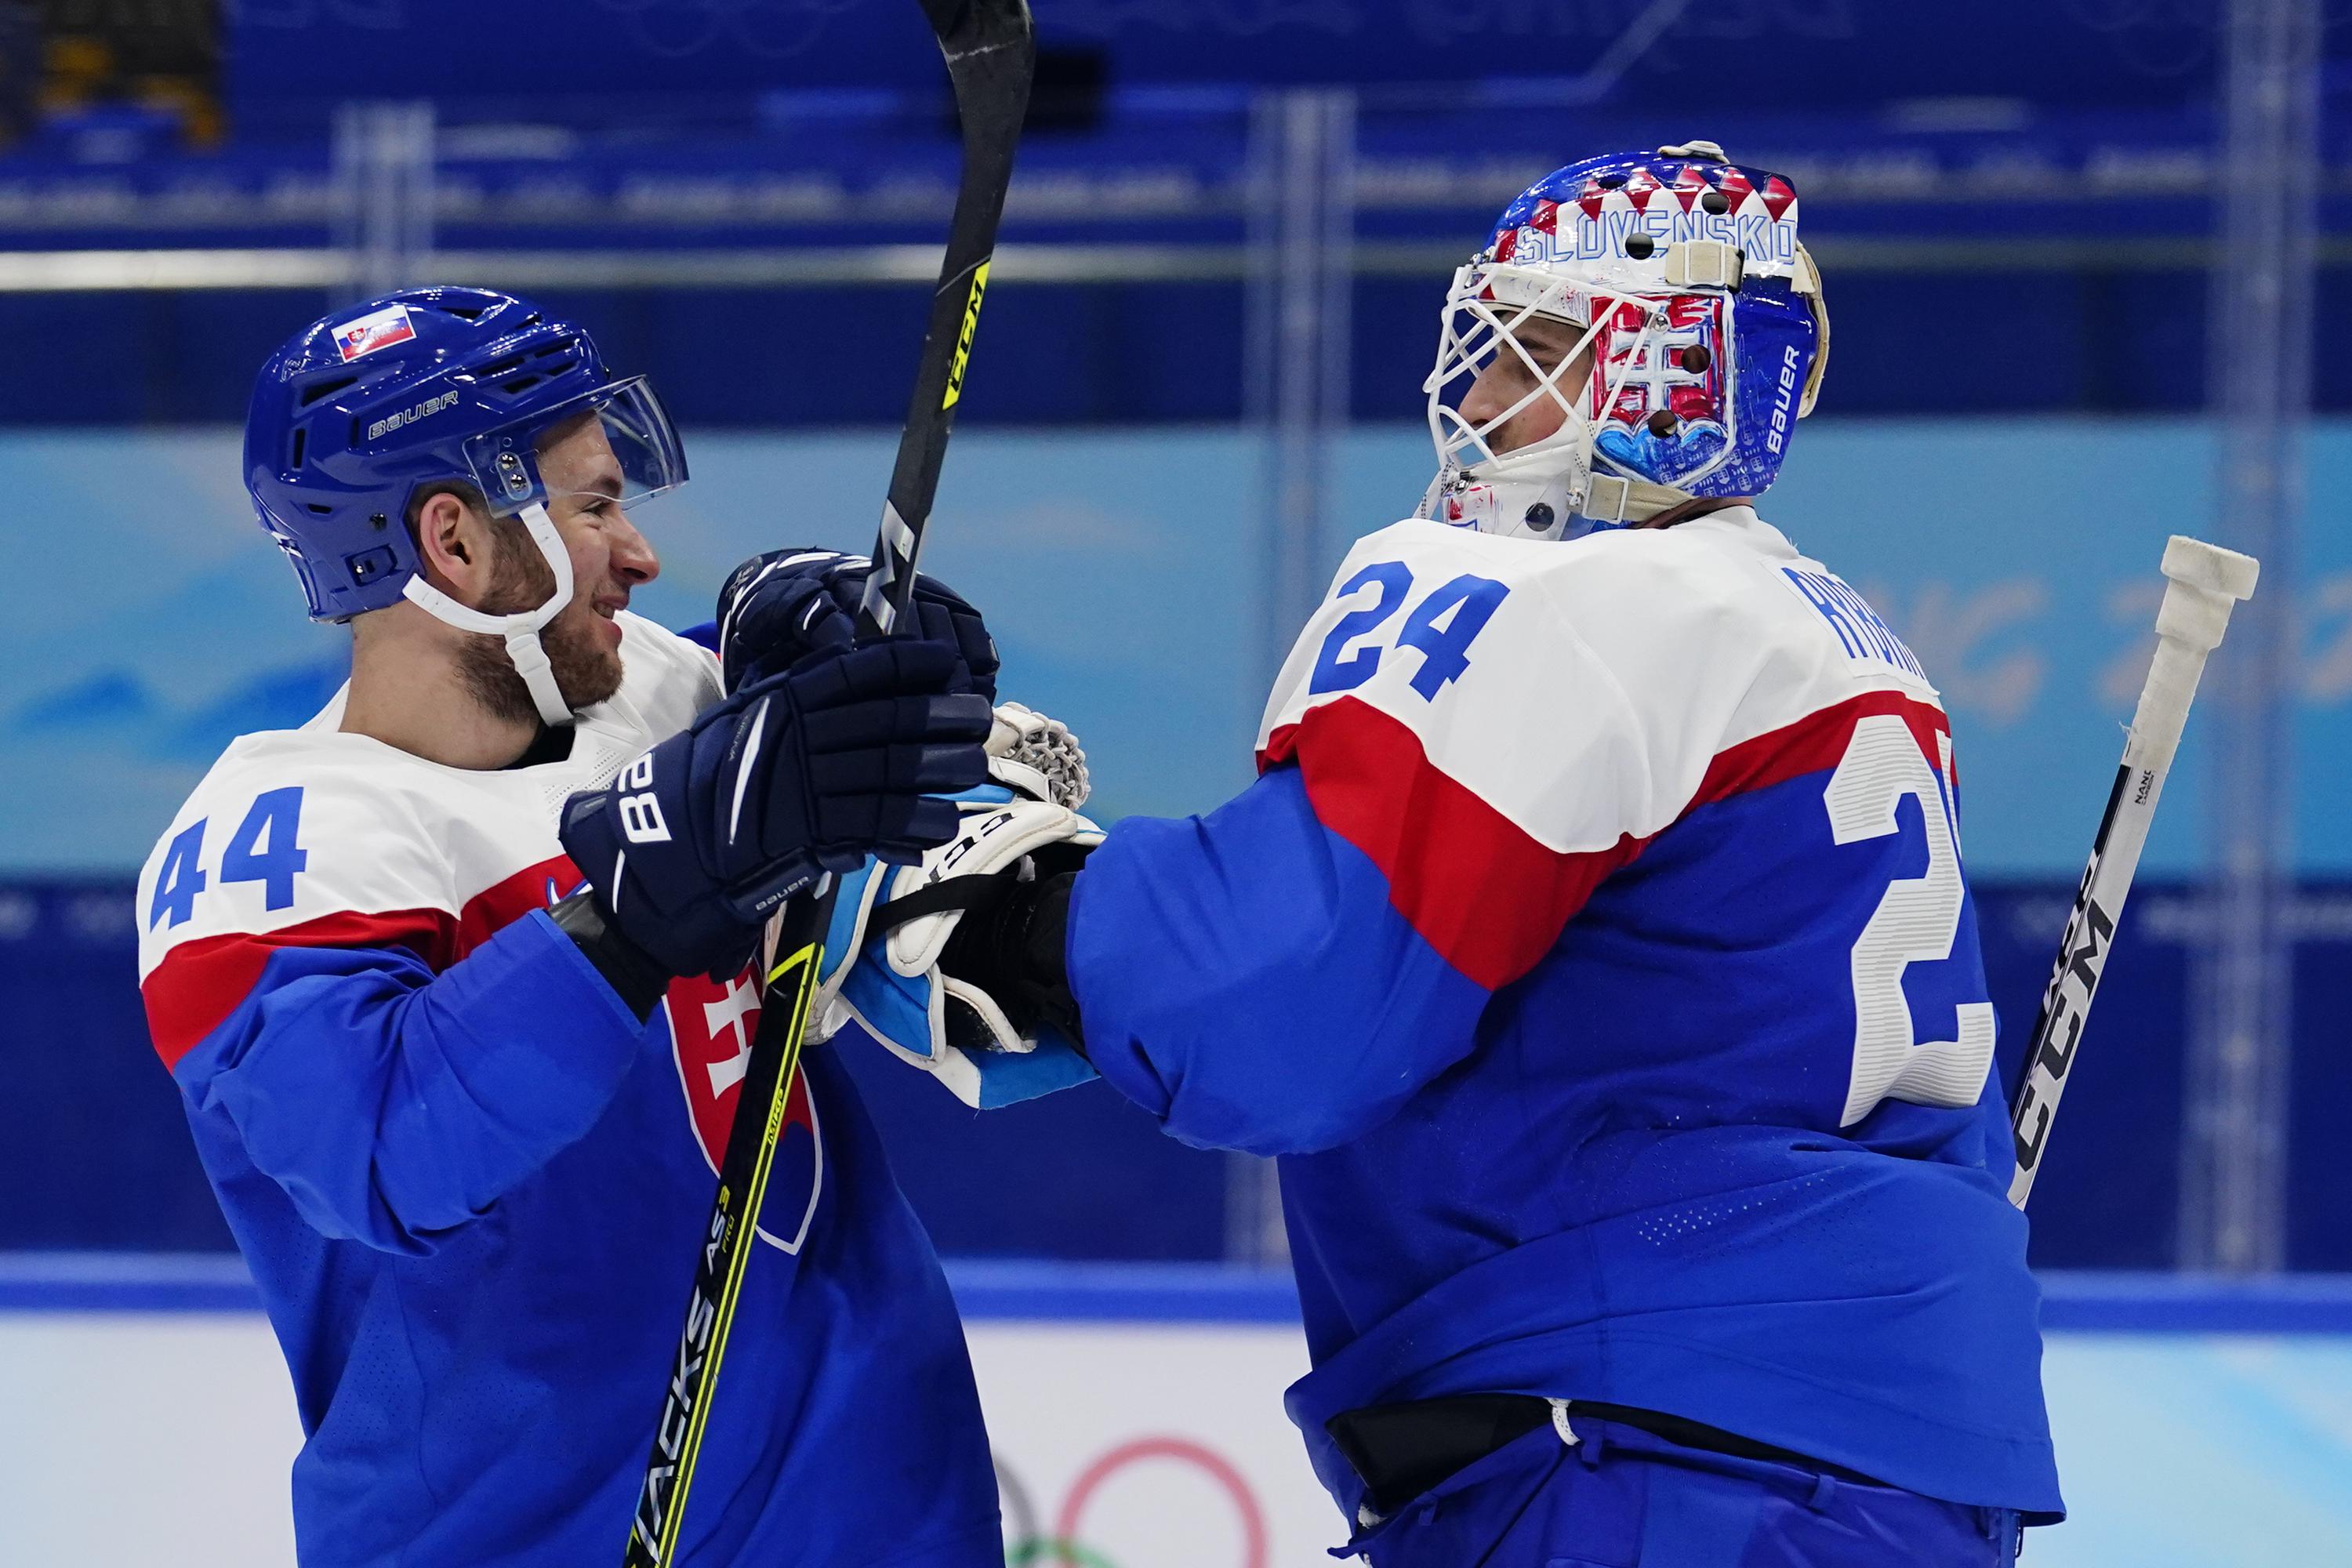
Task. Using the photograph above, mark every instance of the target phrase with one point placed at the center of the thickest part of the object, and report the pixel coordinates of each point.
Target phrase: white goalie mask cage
(1547, 489)
(1693, 301)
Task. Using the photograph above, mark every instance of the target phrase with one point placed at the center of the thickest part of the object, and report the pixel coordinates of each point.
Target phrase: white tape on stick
(2205, 584)
(2193, 563)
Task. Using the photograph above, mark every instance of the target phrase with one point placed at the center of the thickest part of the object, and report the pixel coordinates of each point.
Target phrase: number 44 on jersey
(265, 848)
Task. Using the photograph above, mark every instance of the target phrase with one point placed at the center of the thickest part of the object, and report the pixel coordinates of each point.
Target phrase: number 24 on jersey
(1441, 627)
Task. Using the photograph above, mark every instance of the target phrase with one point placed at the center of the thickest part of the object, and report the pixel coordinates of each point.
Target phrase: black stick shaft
(727, 1240)
(991, 57)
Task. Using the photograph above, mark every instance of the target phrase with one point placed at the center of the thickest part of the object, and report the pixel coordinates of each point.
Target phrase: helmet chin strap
(1511, 504)
(519, 630)
(1612, 499)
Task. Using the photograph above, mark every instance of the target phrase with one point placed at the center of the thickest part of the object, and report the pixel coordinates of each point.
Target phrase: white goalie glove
(917, 975)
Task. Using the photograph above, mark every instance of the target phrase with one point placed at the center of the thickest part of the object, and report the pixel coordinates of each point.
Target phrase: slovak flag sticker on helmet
(376, 330)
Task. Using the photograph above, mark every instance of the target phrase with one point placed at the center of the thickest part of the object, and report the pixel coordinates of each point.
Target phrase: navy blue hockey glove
(777, 608)
(695, 843)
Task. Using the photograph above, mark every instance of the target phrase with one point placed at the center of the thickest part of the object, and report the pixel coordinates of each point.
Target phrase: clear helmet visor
(615, 443)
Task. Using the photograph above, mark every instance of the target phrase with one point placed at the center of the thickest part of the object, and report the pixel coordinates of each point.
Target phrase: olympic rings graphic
(1036, 1546)
(1064, 1548)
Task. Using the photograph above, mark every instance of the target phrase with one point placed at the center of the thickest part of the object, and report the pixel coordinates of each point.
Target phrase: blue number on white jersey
(181, 879)
(1335, 673)
(1445, 649)
(263, 848)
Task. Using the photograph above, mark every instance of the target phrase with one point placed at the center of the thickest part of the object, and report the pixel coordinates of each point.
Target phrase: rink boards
(1136, 1414)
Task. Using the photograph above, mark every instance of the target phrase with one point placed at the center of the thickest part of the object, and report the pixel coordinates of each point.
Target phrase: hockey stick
(991, 57)
(2206, 581)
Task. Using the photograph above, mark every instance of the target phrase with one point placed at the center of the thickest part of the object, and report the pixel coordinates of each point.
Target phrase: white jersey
(1567, 703)
(381, 834)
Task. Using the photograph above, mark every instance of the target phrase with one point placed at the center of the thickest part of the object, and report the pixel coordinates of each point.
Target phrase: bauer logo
(376, 330)
(1792, 366)
(424, 410)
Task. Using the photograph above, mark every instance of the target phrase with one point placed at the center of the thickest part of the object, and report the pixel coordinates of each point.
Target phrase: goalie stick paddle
(990, 58)
(2205, 581)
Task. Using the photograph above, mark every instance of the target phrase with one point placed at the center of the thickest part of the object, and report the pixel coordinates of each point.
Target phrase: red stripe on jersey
(1490, 898)
(1814, 744)
(1487, 897)
(199, 983)
(501, 904)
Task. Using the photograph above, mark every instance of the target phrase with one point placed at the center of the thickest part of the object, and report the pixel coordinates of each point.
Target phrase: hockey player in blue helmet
(378, 441)
(1593, 952)
(455, 981)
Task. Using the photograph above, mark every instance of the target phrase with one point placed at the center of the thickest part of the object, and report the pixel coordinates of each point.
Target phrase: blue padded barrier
(94, 1153)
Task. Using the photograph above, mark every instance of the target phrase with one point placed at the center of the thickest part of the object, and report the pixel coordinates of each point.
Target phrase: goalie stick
(2205, 582)
(990, 58)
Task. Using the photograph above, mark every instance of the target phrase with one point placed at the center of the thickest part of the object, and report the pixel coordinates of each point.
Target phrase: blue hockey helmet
(1681, 273)
(365, 408)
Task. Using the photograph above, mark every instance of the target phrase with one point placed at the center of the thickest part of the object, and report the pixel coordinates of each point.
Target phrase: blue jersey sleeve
(1246, 978)
(392, 1103)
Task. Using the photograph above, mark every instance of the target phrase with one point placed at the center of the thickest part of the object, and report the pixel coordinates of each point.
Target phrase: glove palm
(991, 1032)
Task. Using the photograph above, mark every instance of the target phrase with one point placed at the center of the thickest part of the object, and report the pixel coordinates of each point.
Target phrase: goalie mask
(1685, 336)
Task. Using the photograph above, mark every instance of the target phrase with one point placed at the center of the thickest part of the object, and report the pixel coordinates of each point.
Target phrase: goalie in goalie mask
(1593, 952)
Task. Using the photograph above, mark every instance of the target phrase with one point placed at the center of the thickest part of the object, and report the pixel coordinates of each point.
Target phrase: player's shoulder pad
(294, 826)
(1579, 688)
(1645, 609)
(1690, 606)
(1441, 651)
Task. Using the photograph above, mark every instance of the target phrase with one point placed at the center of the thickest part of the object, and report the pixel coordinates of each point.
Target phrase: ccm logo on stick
(963, 339)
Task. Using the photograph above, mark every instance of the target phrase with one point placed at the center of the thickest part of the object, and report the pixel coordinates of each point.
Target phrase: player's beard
(586, 671)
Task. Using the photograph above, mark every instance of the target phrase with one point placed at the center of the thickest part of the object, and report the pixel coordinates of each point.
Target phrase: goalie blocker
(959, 968)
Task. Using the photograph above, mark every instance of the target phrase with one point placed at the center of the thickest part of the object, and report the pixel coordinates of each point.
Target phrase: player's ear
(453, 542)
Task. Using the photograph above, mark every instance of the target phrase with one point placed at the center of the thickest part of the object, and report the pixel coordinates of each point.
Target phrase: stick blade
(2210, 567)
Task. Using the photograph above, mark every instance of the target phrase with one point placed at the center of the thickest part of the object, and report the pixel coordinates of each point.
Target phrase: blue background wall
(144, 620)
(1121, 572)
(286, 56)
